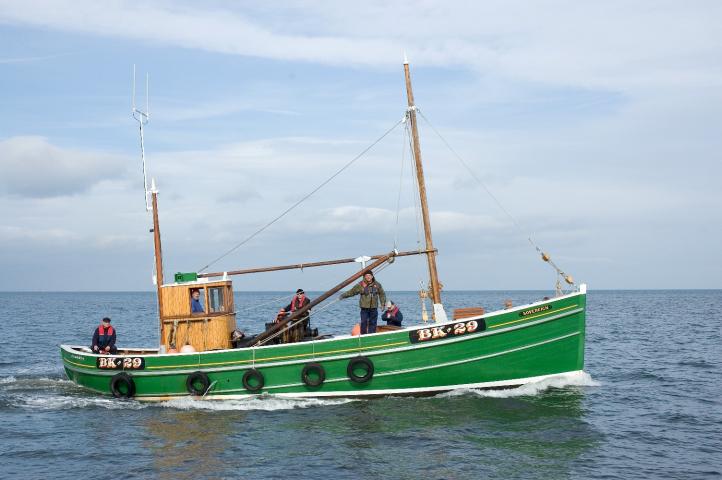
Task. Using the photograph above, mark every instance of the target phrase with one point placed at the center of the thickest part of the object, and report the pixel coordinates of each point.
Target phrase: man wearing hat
(372, 297)
(104, 339)
(392, 314)
(298, 301)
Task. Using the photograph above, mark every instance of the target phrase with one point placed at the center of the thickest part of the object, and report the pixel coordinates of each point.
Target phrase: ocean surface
(649, 405)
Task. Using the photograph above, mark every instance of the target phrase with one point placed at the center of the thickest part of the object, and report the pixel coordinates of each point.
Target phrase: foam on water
(45, 393)
(573, 379)
(68, 402)
(263, 402)
(34, 383)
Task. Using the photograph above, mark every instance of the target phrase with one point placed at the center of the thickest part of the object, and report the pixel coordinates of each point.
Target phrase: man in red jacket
(104, 339)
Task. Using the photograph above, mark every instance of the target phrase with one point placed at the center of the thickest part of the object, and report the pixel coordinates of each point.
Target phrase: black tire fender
(357, 362)
(253, 374)
(195, 379)
(119, 381)
(311, 367)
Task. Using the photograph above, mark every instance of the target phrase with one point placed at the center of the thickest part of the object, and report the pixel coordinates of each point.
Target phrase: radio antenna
(142, 117)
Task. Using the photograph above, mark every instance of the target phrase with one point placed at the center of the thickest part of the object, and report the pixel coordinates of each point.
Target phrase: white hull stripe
(391, 391)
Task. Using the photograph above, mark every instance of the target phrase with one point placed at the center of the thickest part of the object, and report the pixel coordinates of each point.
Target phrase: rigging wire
(398, 198)
(544, 255)
(416, 197)
(314, 312)
(258, 305)
(303, 199)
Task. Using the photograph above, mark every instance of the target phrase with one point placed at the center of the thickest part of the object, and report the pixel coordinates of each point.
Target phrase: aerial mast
(151, 197)
(434, 286)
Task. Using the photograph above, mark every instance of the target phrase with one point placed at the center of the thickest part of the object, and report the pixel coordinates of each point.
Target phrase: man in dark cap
(298, 301)
(372, 297)
(104, 339)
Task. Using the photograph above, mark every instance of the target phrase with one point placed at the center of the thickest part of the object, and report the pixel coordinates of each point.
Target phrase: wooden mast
(431, 255)
(157, 249)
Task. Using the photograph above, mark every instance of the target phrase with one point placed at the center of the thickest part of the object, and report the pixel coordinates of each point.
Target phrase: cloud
(62, 238)
(354, 218)
(31, 59)
(199, 111)
(33, 167)
(449, 221)
(242, 194)
(652, 43)
(23, 235)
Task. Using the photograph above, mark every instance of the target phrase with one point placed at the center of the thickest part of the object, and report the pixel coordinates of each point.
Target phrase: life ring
(253, 375)
(311, 368)
(360, 362)
(197, 383)
(122, 385)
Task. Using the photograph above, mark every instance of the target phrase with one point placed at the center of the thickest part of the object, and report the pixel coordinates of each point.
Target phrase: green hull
(500, 349)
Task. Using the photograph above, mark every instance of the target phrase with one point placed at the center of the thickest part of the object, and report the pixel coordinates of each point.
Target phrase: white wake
(564, 380)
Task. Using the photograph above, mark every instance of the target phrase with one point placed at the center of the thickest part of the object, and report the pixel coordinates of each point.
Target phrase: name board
(446, 331)
(534, 310)
(120, 363)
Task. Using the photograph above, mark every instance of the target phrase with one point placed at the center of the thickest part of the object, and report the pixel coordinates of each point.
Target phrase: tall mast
(142, 117)
(157, 248)
(431, 255)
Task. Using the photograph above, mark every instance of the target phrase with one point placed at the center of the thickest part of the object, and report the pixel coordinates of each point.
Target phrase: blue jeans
(368, 320)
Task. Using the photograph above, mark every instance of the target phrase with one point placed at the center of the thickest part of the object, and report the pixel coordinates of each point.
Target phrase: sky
(595, 128)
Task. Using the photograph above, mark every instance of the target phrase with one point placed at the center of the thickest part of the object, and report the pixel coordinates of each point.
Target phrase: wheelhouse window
(197, 301)
(216, 299)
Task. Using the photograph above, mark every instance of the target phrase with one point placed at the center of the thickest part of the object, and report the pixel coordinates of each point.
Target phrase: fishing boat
(468, 348)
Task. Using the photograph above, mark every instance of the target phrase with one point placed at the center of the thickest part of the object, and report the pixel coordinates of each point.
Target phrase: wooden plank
(386, 328)
(203, 333)
(460, 313)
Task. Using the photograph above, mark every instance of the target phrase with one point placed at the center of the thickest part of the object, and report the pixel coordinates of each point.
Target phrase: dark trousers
(369, 316)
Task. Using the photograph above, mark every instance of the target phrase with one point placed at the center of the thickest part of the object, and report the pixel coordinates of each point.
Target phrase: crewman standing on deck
(372, 296)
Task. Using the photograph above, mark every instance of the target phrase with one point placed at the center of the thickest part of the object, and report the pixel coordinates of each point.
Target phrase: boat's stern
(94, 372)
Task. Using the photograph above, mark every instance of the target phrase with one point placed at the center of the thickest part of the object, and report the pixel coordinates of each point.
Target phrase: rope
(205, 333)
(398, 198)
(545, 257)
(284, 329)
(173, 334)
(275, 300)
(306, 197)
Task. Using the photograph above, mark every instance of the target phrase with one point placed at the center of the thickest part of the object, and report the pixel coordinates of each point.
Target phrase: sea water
(647, 406)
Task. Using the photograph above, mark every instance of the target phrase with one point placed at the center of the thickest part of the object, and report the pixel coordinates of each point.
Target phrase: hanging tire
(122, 386)
(360, 363)
(255, 376)
(310, 369)
(197, 383)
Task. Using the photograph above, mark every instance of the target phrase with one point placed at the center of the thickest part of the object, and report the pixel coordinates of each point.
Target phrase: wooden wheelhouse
(207, 330)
